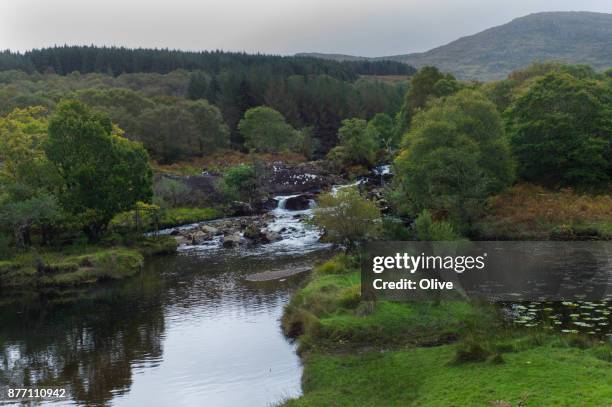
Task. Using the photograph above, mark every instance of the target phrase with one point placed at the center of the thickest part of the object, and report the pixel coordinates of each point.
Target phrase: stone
(210, 230)
(297, 203)
(232, 240)
(241, 209)
(271, 236)
(200, 237)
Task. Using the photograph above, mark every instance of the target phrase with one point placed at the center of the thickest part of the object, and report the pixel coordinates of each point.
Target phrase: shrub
(470, 351)
(429, 230)
(238, 183)
(347, 217)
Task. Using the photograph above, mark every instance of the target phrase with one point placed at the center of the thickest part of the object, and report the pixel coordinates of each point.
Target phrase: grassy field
(448, 353)
(529, 212)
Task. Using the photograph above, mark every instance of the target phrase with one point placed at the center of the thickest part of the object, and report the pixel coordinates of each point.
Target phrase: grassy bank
(447, 353)
(78, 265)
(529, 212)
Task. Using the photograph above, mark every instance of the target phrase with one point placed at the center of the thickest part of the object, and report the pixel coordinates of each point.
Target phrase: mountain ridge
(572, 37)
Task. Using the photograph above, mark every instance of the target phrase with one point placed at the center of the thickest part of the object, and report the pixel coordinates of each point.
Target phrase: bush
(429, 230)
(470, 351)
(238, 183)
(347, 217)
(340, 264)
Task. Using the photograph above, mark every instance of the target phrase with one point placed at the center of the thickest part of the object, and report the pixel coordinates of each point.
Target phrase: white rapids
(298, 237)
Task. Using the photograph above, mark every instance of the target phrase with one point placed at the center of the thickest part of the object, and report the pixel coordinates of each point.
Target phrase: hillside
(575, 37)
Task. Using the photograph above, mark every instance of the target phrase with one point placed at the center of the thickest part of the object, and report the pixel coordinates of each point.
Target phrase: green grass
(541, 376)
(447, 353)
(169, 217)
(328, 312)
(76, 265)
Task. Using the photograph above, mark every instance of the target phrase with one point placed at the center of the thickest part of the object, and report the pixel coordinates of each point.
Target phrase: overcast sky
(358, 27)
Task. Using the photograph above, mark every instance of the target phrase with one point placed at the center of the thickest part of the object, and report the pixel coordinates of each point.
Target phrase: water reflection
(189, 329)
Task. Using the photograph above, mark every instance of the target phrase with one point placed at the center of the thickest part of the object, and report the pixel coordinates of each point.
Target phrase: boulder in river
(272, 236)
(297, 203)
(200, 237)
(254, 234)
(241, 209)
(232, 240)
(210, 230)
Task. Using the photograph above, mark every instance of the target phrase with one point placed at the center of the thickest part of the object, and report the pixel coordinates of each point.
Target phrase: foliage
(21, 215)
(315, 99)
(306, 144)
(561, 132)
(454, 157)
(428, 229)
(117, 60)
(358, 144)
(239, 182)
(265, 130)
(347, 217)
(170, 193)
(428, 83)
(150, 221)
(171, 132)
(26, 176)
(213, 133)
(101, 173)
(383, 127)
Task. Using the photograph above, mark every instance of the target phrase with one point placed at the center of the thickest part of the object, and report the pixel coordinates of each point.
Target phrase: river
(190, 330)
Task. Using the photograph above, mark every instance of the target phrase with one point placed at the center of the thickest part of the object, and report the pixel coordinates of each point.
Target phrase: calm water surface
(188, 331)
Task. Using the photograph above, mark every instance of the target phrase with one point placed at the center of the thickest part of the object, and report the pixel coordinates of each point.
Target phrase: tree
(454, 157)
(428, 82)
(358, 144)
(265, 130)
(170, 133)
(561, 131)
(23, 214)
(198, 86)
(382, 125)
(26, 176)
(213, 132)
(171, 193)
(347, 217)
(101, 172)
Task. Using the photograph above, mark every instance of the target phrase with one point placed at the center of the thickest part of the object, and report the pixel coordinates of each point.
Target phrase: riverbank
(78, 265)
(449, 353)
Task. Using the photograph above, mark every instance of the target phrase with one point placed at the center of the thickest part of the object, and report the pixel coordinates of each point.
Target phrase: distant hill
(575, 37)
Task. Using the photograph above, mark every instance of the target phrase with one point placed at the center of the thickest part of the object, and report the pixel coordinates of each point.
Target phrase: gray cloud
(369, 28)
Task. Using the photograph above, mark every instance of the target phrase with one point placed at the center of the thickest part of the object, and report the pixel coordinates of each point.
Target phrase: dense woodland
(76, 146)
(135, 85)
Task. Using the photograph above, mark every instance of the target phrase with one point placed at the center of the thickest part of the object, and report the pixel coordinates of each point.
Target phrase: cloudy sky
(359, 27)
